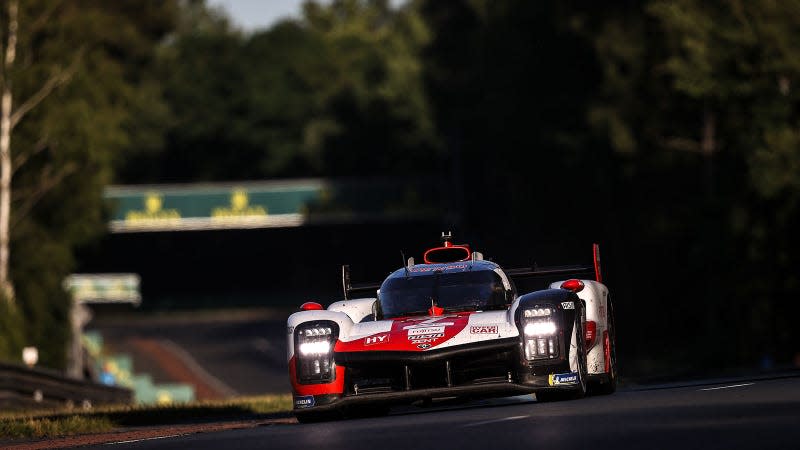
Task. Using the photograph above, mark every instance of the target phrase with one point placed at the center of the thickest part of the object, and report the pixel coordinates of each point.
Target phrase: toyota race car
(454, 326)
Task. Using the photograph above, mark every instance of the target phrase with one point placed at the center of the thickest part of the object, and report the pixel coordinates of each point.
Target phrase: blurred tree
(689, 160)
(202, 69)
(65, 141)
(12, 335)
(510, 82)
(338, 92)
(373, 115)
(698, 99)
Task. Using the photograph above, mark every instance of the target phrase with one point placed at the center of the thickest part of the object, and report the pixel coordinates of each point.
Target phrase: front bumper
(481, 370)
(331, 402)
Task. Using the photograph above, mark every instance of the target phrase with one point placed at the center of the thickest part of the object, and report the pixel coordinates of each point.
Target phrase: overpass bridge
(263, 243)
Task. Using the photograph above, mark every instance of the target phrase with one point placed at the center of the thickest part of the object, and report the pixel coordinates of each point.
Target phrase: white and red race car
(453, 326)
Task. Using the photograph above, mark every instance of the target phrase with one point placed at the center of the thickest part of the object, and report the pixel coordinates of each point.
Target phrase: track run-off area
(746, 414)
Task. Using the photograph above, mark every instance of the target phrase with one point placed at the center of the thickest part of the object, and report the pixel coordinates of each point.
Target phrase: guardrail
(23, 388)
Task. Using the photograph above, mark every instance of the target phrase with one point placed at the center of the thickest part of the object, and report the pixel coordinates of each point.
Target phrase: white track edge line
(727, 387)
(486, 422)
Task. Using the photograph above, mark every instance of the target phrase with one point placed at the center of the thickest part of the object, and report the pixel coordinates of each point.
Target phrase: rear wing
(567, 271)
(350, 288)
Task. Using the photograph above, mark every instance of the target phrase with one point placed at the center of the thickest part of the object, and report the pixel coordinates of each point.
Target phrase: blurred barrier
(23, 388)
(117, 370)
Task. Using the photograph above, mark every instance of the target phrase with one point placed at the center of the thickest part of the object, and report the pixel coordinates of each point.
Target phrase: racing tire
(608, 384)
(553, 395)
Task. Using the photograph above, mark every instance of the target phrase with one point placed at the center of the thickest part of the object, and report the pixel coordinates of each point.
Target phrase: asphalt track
(741, 414)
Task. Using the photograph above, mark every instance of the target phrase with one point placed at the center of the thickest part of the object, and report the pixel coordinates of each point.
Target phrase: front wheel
(608, 384)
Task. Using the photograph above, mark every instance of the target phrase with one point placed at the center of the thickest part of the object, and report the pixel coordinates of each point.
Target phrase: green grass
(51, 427)
(48, 424)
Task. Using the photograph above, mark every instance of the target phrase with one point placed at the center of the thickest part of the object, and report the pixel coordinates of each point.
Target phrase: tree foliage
(665, 129)
(338, 92)
(705, 90)
(65, 148)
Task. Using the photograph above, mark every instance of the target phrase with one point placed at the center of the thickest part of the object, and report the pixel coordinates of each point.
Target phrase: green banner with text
(267, 204)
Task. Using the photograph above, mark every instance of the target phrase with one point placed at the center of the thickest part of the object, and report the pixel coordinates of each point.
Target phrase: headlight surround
(313, 345)
(539, 332)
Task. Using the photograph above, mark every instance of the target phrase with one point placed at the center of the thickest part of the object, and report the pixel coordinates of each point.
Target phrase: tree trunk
(5, 193)
(6, 103)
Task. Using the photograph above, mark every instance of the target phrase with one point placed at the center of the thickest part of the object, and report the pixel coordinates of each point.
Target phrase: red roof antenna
(447, 238)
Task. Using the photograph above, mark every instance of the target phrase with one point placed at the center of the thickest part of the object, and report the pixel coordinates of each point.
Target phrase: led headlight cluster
(539, 330)
(537, 312)
(314, 351)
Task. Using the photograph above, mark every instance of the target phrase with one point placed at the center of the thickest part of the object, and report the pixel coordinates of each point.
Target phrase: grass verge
(49, 424)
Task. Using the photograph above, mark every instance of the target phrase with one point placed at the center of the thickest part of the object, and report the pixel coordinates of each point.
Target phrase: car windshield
(460, 291)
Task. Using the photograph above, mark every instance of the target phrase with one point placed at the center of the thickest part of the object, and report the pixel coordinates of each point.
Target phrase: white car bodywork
(354, 318)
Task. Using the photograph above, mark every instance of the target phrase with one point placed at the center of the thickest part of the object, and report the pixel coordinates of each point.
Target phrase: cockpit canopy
(467, 290)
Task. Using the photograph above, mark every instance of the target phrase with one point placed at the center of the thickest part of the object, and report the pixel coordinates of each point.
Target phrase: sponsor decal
(290, 330)
(424, 346)
(304, 402)
(377, 339)
(483, 329)
(427, 331)
(424, 331)
(407, 334)
(239, 207)
(426, 336)
(423, 341)
(568, 305)
(437, 267)
(153, 210)
(563, 379)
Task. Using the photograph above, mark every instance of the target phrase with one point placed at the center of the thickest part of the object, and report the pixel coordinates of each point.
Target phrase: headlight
(314, 343)
(539, 329)
(537, 312)
(315, 348)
